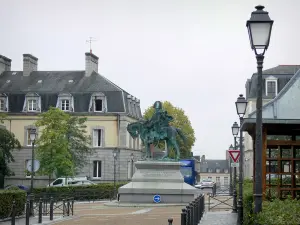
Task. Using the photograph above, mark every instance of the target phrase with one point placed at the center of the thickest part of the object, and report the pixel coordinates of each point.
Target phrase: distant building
(216, 170)
(108, 108)
(274, 80)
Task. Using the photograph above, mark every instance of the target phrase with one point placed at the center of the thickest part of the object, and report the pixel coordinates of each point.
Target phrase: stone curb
(118, 204)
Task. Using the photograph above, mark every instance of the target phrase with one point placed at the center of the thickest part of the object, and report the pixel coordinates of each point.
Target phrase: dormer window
(3, 103)
(32, 103)
(271, 86)
(65, 102)
(97, 103)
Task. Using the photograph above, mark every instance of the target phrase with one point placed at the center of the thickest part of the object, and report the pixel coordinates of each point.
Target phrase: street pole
(234, 207)
(241, 177)
(32, 166)
(114, 175)
(131, 168)
(258, 138)
(230, 172)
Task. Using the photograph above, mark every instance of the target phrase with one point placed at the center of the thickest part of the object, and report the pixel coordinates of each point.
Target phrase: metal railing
(44, 207)
(193, 212)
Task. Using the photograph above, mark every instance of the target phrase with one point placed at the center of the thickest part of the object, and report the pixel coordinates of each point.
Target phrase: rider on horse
(159, 121)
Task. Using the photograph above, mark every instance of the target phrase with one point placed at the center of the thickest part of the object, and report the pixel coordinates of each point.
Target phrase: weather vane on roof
(90, 42)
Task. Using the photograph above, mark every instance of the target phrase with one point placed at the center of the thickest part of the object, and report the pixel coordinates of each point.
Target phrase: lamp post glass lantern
(259, 29)
(241, 106)
(235, 129)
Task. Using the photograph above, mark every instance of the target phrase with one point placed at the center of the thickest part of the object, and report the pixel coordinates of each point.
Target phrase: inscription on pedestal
(157, 173)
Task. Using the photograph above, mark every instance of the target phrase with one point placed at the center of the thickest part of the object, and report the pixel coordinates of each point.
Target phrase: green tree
(181, 121)
(63, 145)
(8, 143)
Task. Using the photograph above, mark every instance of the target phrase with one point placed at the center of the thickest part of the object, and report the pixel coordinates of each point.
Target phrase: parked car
(17, 186)
(80, 183)
(205, 183)
(65, 181)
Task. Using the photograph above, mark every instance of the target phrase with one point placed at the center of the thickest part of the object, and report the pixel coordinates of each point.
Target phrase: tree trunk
(1, 181)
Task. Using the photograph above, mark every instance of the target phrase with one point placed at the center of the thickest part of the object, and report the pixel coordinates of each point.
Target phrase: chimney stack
(5, 64)
(91, 64)
(30, 63)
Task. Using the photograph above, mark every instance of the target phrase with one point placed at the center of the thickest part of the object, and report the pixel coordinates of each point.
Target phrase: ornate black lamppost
(235, 130)
(32, 136)
(231, 176)
(132, 161)
(115, 158)
(259, 29)
(241, 106)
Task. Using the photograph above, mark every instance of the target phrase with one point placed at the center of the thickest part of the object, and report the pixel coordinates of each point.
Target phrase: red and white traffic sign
(234, 154)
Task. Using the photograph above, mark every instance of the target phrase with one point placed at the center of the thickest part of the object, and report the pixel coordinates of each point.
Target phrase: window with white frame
(271, 86)
(65, 105)
(97, 170)
(65, 102)
(97, 103)
(97, 138)
(218, 181)
(28, 140)
(2, 105)
(226, 181)
(32, 103)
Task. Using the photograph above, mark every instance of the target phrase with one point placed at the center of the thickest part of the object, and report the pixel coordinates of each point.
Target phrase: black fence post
(188, 217)
(31, 197)
(27, 212)
(68, 207)
(51, 208)
(170, 221)
(13, 213)
(192, 214)
(202, 205)
(72, 207)
(64, 207)
(40, 211)
(197, 210)
(183, 217)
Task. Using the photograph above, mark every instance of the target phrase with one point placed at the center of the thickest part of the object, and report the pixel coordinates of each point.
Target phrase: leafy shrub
(281, 212)
(88, 192)
(6, 201)
(248, 202)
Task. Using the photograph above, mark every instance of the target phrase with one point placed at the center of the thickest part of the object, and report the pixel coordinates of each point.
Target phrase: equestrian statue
(157, 129)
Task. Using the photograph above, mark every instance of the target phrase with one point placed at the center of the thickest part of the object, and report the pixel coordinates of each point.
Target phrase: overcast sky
(193, 53)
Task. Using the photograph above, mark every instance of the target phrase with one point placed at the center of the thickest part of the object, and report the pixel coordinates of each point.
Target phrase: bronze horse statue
(149, 137)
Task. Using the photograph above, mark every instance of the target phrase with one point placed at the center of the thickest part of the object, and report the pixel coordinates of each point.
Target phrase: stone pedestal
(157, 178)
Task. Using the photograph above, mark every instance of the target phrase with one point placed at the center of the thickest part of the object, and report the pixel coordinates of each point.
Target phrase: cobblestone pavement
(219, 218)
(97, 213)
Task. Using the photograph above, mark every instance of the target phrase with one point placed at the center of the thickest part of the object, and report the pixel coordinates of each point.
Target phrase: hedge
(6, 201)
(88, 192)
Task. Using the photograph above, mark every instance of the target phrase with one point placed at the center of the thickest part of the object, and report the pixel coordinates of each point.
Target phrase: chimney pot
(30, 63)
(5, 64)
(91, 63)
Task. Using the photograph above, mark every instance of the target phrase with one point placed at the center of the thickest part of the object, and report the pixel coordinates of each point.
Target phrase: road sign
(235, 164)
(36, 165)
(156, 198)
(234, 154)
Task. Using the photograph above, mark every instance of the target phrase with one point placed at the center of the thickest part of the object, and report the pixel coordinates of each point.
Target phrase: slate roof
(15, 86)
(282, 72)
(214, 164)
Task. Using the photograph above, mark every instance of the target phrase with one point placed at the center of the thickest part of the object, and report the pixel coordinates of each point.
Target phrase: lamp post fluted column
(258, 138)
(241, 177)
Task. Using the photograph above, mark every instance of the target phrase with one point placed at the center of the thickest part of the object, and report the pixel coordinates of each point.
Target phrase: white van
(65, 181)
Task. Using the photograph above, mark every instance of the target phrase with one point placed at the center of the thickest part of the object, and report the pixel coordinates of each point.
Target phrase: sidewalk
(219, 218)
(34, 220)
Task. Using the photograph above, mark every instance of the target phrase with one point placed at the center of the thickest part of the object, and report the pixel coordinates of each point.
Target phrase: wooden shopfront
(280, 156)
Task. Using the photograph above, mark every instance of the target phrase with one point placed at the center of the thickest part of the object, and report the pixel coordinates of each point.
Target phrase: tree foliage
(63, 145)
(181, 121)
(8, 143)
